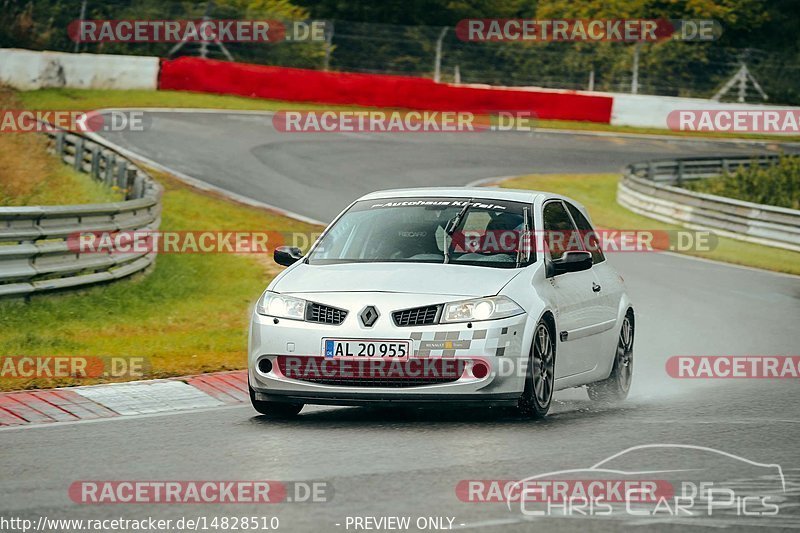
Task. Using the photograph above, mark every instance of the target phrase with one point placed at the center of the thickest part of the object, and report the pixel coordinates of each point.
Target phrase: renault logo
(368, 316)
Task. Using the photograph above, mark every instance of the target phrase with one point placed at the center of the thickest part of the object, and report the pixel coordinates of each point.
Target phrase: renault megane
(465, 295)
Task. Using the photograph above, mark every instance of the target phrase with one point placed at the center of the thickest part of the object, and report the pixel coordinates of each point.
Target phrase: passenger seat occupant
(497, 226)
(505, 221)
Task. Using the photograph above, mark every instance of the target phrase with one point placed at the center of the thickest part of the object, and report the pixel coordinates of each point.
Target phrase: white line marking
(488, 182)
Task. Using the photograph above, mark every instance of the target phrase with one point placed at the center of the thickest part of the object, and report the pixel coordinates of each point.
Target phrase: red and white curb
(123, 399)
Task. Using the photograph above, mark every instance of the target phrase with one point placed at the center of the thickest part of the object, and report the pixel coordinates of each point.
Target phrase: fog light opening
(265, 366)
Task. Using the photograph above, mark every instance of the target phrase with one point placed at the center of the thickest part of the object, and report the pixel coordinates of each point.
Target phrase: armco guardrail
(676, 171)
(647, 188)
(34, 252)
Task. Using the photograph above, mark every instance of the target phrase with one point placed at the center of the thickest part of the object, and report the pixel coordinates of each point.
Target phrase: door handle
(596, 287)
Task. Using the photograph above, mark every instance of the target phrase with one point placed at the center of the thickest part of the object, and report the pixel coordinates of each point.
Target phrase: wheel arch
(549, 318)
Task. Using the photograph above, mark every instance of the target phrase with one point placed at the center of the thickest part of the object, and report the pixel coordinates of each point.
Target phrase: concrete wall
(28, 70)
(650, 111)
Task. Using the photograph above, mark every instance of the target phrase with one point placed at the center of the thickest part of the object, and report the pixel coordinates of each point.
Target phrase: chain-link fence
(673, 68)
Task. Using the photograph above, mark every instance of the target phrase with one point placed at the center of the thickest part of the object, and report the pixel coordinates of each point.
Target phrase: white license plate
(366, 349)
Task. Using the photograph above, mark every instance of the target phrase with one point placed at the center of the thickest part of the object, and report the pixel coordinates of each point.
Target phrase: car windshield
(462, 231)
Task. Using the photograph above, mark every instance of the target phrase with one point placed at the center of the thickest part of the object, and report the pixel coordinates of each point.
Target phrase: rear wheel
(540, 376)
(616, 387)
(274, 409)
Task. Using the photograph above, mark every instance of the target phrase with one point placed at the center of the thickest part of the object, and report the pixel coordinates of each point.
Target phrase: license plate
(366, 349)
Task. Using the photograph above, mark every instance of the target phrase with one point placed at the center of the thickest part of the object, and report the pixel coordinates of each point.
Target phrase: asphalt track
(317, 174)
(401, 462)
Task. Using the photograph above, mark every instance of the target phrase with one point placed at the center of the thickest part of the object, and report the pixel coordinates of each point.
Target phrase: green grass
(598, 193)
(86, 99)
(188, 315)
(777, 185)
(30, 175)
(81, 99)
(62, 185)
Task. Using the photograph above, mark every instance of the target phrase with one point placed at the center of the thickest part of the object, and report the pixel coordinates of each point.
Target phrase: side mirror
(287, 255)
(571, 262)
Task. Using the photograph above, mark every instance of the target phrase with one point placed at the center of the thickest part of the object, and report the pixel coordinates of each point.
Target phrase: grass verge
(598, 192)
(82, 99)
(29, 175)
(189, 315)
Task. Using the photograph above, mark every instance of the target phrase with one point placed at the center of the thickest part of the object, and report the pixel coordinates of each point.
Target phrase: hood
(421, 278)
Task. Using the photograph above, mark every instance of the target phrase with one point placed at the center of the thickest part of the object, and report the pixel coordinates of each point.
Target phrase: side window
(588, 235)
(559, 233)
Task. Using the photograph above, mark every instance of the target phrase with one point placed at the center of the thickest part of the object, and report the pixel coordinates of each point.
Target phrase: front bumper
(497, 344)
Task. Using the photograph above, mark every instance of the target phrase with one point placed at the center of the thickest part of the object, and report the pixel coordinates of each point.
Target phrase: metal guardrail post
(111, 160)
(122, 174)
(130, 179)
(60, 144)
(679, 177)
(78, 163)
(651, 171)
(137, 191)
(96, 162)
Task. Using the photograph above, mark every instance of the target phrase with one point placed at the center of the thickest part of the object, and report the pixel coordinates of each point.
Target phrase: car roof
(485, 193)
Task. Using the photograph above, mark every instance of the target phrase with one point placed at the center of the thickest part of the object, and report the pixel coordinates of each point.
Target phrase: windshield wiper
(452, 226)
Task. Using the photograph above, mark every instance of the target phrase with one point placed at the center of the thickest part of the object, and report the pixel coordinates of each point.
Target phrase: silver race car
(423, 296)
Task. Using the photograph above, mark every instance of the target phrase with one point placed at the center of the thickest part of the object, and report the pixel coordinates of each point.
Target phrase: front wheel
(540, 376)
(274, 409)
(615, 388)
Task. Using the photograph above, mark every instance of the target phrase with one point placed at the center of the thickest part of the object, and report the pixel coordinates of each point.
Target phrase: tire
(615, 388)
(540, 375)
(274, 409)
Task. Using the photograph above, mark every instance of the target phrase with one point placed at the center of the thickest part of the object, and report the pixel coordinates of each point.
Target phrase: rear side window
(588, 235)
(559, 233)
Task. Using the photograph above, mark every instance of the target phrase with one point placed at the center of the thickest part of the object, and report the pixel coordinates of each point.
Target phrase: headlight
(278, 305)
(478, 309)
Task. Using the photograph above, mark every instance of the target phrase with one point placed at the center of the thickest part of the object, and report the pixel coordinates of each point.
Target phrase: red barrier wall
(221, 77)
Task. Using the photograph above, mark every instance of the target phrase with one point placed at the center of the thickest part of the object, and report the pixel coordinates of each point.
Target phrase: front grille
(418, 316)
(325, 314)
(371, 373)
